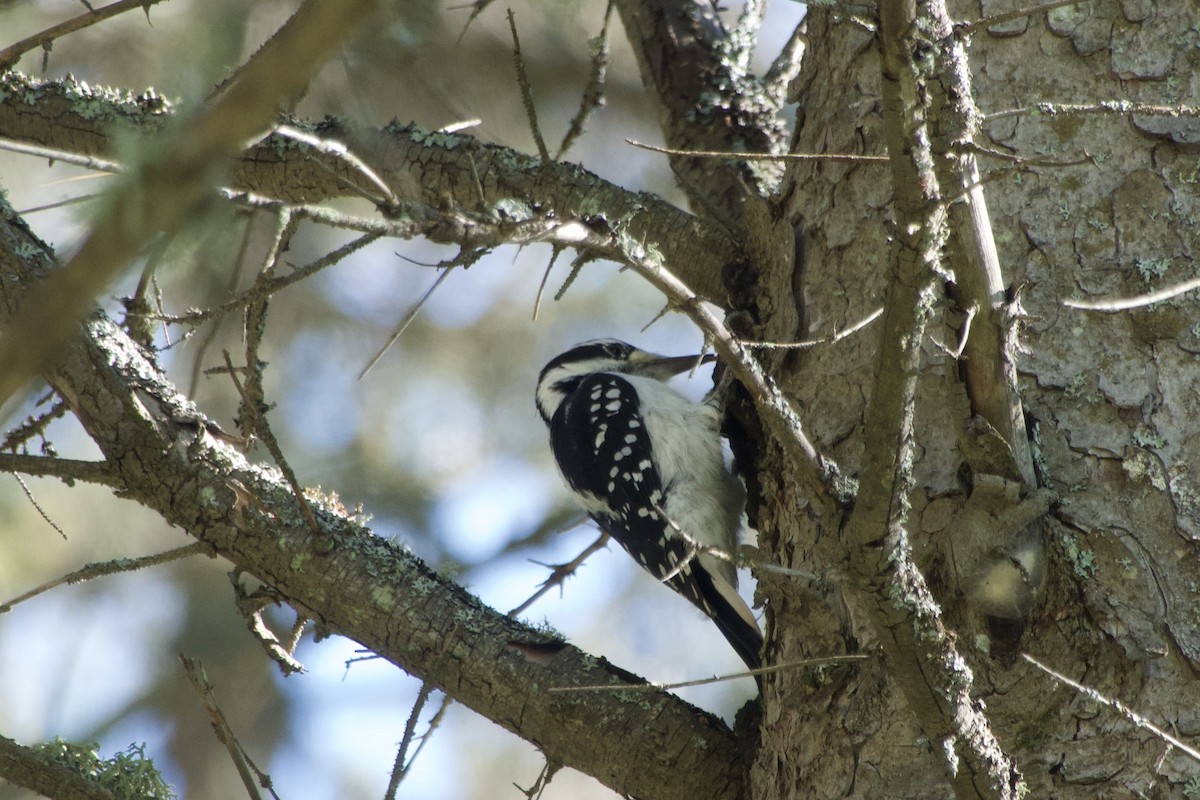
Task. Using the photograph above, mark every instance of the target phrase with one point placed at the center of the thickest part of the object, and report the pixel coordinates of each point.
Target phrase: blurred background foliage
(440, 443)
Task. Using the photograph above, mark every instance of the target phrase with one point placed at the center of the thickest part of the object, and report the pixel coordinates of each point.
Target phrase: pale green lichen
(1083, 562)
(1145, 436)
(1152, 269)
(128, 774)
(384, 598)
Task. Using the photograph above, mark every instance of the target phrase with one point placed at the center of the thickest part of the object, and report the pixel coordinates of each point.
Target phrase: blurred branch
(44, 39)
(101, 568)
(170, 187)
(66, 469)
(526, 90)
(252, 777)
(593, 94)
(451, 187)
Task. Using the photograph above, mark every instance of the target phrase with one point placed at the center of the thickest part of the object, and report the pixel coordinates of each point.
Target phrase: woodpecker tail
(733, 618)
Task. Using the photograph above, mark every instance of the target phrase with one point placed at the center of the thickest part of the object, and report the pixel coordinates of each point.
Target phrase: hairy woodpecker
(646, 464)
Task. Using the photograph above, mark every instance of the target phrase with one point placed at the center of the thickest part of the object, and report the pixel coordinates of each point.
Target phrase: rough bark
(1101, 205)
(455, 188)
(1110, 393)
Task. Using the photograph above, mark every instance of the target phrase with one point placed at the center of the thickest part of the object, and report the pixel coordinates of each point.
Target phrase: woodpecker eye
(619, 350)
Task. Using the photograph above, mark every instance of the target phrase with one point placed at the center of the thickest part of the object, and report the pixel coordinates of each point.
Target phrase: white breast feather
(702, 497)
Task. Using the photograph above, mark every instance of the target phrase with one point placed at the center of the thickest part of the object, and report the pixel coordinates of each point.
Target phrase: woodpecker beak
(660, 368)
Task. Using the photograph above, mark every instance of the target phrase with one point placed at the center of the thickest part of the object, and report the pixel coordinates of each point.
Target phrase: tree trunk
(985, 475)
(1094, 205)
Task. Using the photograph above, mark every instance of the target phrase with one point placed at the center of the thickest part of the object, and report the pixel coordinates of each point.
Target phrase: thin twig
(527, 90)
(33, 426)
(464, 259)
(401, 765)
(836, 336)
(750, 673)
(66, 201)
(66, 470)
(1022, 161)
(239, 262)
(37, 506)
(87, 162)
(1101, 107)
(113, 567)
(662, 312)
(264, 433)
(434, 722)
(255, 325)
(341, 152)
(407, 228)
(593, 94)
(479, 184)
(818, 472)
(555, 252)
(549, 770)
(406, 320)
(251, 606)
(577, 263)
(1137, 719)
(965, 333)
(237, 754)
(560, 572)
(1125, 303)
(477, 8)
(140, 329)
(755, 156)
(266, 287)
(43, 39)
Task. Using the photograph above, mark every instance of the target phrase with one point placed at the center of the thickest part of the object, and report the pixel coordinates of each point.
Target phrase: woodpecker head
(559, 378)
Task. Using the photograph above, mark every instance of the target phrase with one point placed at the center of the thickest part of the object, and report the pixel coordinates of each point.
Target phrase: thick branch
(988, 361)
(920, 651)
(435, 176)
(706, 101)
(66, 469)
(366, 588)
(25, 767)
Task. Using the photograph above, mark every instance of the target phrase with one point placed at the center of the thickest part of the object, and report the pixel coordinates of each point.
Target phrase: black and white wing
(605, 454)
